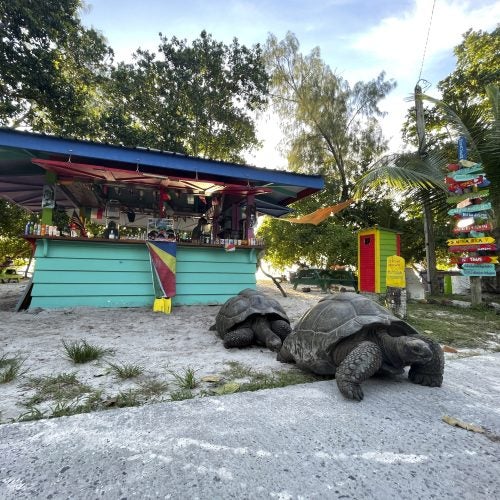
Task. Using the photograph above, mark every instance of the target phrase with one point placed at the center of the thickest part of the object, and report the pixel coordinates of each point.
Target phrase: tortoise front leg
(360, 364)
(281, 328)
(430, 373)
(240, 337)
(264, 335)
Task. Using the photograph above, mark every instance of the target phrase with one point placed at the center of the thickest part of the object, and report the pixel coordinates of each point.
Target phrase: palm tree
(419, 176)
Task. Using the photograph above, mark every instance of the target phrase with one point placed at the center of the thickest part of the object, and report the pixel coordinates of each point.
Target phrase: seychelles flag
(163, 257)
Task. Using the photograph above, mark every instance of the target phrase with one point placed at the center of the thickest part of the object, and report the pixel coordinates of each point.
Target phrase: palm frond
(404, 172)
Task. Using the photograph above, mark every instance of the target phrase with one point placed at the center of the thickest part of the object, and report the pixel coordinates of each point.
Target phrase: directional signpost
(476, 249)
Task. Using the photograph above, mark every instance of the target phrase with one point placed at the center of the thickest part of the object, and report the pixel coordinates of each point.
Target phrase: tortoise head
(414, 350)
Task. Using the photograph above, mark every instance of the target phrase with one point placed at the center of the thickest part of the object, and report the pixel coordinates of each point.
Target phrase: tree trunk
(430, 250)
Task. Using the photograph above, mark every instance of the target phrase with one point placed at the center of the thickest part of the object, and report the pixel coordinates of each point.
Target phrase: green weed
(237, 370)
(186, 380)
(181, 395)
(126, 371)
(152, 387)
(83, 352)
(63, 386)
(10, 368)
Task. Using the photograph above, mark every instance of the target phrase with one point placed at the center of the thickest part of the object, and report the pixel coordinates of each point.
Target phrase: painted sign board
(476, 270)
(472, 248)
(471, 241)
(471, 209)
(467, 196)
(476, 227)
(462, 148)
(482, 259)
(395, 275)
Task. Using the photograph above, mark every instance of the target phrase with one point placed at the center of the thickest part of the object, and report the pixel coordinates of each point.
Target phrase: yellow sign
(395, 275)
(471, 241)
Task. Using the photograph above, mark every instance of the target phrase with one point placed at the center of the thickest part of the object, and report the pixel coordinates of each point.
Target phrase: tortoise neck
(392, 348)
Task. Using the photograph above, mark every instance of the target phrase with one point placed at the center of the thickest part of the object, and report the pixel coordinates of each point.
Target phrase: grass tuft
(83, 352)
(152, 387)
(63, 386)
(181, 395)
(10, 368)
(186, 380)
(125, 371)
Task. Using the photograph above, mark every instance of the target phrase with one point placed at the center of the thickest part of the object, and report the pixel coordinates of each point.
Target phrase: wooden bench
(8, 275)
(324, 278)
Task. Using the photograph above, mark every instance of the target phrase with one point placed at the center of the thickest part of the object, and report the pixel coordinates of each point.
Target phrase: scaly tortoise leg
(360, 364)
(430, 373)
(240, 337)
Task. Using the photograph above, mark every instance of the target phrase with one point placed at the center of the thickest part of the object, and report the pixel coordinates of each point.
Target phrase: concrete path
(298, 442)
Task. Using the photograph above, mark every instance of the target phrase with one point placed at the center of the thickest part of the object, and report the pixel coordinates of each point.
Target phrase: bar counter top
(122, 241)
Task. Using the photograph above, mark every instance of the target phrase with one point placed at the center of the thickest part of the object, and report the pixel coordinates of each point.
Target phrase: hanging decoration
(472, 243)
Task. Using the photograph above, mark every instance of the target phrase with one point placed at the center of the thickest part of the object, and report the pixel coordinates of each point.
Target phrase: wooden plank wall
(96, 274)
(211, 276)
(79, 273)
(388, 247)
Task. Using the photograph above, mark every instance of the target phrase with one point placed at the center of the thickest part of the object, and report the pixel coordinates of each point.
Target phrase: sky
(358, 39)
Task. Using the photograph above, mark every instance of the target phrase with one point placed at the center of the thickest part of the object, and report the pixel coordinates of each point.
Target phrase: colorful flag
(163, 261)
(76, 221)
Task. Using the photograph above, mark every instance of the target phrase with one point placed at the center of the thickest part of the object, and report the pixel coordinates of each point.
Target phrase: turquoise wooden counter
(76, 272)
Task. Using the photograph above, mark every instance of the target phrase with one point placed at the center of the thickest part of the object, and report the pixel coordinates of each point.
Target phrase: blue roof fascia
(148, 158)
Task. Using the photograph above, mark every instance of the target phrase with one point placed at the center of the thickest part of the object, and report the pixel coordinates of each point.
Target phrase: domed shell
(247, 303)
(338, 316)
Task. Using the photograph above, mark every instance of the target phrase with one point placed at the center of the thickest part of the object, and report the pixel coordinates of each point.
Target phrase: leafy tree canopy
(330, 127)
(50, 67)
(194, 98)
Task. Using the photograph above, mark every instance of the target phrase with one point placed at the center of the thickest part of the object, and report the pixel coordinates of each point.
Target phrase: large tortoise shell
(336, 317)
(246, 304)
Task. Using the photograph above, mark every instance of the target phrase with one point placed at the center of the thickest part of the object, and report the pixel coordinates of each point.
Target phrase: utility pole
(430, 244)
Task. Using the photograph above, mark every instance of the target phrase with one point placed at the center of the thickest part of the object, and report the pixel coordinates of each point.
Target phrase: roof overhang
(26, 157)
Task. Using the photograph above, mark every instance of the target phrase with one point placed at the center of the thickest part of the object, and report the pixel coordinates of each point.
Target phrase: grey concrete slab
(297, 442)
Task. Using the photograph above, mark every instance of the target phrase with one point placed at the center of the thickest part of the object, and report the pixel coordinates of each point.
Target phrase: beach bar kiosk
(375, 244)
(109, 222)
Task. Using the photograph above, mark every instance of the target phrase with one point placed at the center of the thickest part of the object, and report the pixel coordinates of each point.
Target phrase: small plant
(63, 386)
(126, 399)
(181, 395)
(83, 352)
(33, 413)
(152, 387)
(126, 371)
(187, 380)
(237, 370)
(277, 379)
(10, 368)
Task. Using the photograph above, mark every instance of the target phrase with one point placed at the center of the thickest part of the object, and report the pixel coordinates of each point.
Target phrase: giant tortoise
(252, 317)
(353, 337)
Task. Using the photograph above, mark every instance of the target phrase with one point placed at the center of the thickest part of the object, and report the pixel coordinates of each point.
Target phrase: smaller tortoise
(352, 337)
(252, 317)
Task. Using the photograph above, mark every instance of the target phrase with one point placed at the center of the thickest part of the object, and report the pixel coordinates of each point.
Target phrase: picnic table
(324, 278)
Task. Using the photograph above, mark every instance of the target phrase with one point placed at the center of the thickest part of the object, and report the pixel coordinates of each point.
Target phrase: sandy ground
(159, 343)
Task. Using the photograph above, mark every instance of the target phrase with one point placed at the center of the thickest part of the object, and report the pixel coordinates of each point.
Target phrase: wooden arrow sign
(476, 227)
(470, 209)
(483, 259)
(472, 248)
(452, 200)
(478, 270)
(471, 241)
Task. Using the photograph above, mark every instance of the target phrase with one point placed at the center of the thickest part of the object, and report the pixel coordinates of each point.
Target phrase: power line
(426, 40)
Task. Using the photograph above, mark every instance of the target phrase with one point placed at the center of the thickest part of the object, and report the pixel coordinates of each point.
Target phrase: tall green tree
(196, 98)
(50, 67)
(330, 127)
